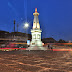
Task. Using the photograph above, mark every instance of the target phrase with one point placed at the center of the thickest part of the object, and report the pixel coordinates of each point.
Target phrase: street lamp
(26, 25)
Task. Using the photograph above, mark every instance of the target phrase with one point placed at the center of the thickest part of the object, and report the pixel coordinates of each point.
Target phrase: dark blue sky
(55, 16)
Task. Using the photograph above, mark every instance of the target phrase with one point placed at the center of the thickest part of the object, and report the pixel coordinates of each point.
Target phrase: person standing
(48, 47)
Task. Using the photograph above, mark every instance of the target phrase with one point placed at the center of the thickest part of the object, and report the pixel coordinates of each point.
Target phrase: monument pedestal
(36, 45)
(36, 48)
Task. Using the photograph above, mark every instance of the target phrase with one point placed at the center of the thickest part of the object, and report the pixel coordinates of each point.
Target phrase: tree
(61, 41)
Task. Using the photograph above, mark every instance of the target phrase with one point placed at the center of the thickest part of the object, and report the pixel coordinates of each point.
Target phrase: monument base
(36, 48)
(37, 43)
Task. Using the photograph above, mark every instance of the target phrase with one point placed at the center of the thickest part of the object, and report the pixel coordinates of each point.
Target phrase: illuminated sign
(28, 42)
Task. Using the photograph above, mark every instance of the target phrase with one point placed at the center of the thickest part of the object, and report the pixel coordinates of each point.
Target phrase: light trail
(61, 49)
(26, 48)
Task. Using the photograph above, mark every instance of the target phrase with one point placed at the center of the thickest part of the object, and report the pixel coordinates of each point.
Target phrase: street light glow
(26, 25)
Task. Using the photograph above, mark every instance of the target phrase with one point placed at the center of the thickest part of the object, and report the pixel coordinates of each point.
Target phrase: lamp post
(26, 25)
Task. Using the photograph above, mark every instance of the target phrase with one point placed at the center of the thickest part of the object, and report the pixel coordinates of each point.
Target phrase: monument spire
(36, 24)
(35, 9)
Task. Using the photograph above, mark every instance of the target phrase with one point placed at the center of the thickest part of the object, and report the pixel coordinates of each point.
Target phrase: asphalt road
(36, 61)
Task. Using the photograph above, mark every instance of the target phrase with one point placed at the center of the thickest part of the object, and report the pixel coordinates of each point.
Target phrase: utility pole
(14, 25)
(14, 30)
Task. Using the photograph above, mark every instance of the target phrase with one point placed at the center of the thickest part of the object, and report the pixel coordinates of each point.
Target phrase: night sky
(55, 16)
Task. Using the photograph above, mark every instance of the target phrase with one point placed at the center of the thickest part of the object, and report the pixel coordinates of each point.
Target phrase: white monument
(36, 43)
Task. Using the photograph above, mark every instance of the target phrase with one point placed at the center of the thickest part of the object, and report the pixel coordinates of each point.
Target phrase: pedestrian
(48, 47)
(51, 47)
